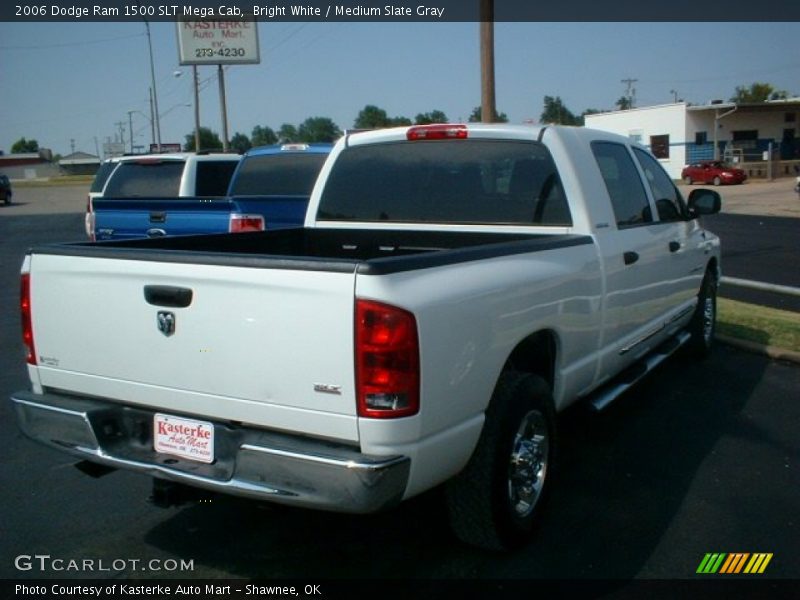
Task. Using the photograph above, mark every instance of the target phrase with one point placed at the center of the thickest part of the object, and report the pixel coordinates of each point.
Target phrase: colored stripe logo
(734, 564)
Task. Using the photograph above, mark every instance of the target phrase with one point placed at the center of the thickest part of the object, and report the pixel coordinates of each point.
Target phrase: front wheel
(703, 325)
(495, 502)
(687, 180)
(717, 181)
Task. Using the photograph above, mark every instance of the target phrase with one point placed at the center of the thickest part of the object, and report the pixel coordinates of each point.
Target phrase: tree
(556, 113)
(287, 133)
(758, 92)
(240, 143)
(263, 136)
(435, 116)
(318, 129)
(476, 116)
(624, 103)
(372, 117)
(400, 122)
(23, 146)
(209, 140)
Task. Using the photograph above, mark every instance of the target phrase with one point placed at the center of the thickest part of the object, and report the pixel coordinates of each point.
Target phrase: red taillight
(27, 323)
(89, 221)
(437, 132)
(387, 361)
(244, 223)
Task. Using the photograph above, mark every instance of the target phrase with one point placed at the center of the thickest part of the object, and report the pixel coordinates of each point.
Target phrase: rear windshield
(214, 177)
(102, 176)
(453, 181)
(156, 179)
(278, 175)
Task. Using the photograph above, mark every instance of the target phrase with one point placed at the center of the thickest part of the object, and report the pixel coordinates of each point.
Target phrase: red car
(712, 171)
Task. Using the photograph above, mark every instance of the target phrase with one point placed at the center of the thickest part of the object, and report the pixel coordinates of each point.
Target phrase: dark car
(5, 189)
(712, 171)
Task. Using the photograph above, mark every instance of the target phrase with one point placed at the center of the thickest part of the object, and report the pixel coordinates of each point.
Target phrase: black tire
(495, 502)
(703, 325)
(717, 180)
(687, 180)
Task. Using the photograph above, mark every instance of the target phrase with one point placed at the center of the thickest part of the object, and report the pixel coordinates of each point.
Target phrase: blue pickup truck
(188, 194)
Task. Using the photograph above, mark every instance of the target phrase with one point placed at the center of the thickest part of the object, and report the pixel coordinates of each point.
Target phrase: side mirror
(704, 202)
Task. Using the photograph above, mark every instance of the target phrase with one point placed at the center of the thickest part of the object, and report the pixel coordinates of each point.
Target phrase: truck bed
(368, 252)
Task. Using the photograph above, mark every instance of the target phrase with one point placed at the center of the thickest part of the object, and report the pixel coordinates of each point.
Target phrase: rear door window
(213, 177)
(146, 179)
(452, 181)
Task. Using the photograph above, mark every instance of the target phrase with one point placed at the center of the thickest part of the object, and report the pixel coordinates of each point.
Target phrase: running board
(628, 378)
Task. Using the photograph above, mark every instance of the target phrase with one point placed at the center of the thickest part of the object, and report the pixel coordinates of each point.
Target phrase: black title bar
(401, 10)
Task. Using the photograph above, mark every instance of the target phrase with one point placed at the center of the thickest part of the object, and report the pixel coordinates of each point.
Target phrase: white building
(680, 134)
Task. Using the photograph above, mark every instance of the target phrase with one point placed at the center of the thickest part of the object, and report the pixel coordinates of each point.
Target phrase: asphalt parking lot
(704, 457)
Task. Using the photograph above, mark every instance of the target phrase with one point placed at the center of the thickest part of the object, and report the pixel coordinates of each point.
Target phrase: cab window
(624, 185)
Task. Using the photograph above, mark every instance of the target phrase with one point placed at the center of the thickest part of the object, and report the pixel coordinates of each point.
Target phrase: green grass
(767, 326)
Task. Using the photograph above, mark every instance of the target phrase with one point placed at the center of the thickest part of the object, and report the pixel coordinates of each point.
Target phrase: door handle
(158, 217)
(674, 246)
(168, 296)
(630, 257)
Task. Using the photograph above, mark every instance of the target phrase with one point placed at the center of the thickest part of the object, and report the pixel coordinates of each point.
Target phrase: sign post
(217, 43)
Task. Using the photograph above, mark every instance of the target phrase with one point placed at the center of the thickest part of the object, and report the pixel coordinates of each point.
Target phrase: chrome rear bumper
(249, 462)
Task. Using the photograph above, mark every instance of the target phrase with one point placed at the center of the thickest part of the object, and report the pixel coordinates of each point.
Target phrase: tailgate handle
(158, 217)
(168, 296)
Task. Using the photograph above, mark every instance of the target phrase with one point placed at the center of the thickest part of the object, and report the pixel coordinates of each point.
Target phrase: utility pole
(488, 105)
(152, 118)
(121, 126)
(130, 127)
(157, 135)
(196, 109)
(223, 106)
(630, 93)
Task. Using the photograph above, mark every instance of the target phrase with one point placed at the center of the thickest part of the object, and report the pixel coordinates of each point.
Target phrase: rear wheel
(717, 180)
(495, 502)
(687, 180)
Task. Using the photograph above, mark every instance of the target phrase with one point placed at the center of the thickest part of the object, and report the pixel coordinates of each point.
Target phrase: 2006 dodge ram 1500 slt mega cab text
(453, 288)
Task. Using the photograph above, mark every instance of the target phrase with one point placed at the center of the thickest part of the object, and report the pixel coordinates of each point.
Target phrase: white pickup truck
(454, 287)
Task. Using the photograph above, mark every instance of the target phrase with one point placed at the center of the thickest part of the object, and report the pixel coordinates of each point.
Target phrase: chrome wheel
(527, 468)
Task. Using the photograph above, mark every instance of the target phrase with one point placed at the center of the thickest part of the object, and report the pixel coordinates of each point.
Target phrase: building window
(659, 146)
(746, 135)
(701, 138)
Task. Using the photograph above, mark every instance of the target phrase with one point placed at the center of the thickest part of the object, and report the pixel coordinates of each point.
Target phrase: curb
(769, 351)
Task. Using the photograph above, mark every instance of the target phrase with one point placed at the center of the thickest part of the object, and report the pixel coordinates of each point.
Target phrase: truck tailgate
(265, 346)
(126, 218)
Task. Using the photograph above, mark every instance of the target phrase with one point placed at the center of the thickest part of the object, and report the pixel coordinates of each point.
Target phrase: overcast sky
(76, 81)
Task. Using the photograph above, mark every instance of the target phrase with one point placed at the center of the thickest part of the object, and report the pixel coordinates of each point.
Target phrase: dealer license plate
(186, 438)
